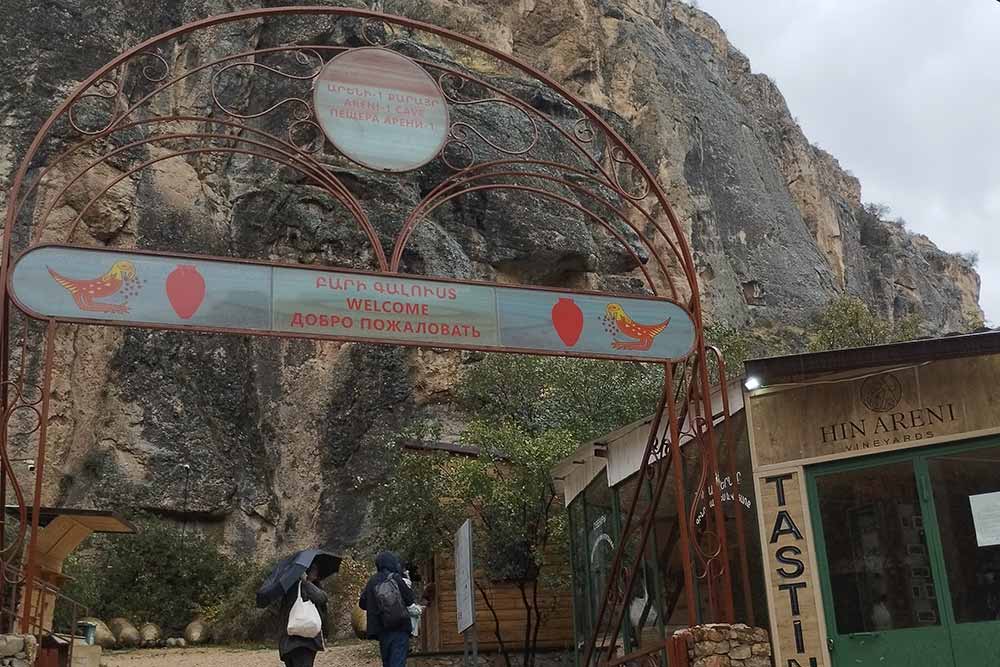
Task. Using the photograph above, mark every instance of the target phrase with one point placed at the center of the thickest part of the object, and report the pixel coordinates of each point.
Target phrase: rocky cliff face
(285, 439)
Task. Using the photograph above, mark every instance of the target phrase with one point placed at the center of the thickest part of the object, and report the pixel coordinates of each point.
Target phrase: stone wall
(719, 645)
(18, 650)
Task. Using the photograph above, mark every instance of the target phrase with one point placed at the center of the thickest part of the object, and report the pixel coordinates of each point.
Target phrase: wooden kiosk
(61, 531)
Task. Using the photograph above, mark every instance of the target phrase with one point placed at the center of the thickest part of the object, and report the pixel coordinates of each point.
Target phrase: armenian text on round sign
(381, 109)
(72, 283)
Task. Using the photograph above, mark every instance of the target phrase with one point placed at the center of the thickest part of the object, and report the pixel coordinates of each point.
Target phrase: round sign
(381, 109)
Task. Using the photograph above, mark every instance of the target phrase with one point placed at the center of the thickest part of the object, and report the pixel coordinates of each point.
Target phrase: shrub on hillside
(236, 618)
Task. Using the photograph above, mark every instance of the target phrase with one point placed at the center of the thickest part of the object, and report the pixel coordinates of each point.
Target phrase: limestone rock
(116, 624)
(11, 645)
(740, 652)
(286, 434)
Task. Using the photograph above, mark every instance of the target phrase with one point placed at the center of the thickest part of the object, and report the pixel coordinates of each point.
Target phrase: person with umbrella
(295, 576)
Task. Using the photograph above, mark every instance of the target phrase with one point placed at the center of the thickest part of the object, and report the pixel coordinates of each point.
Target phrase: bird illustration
(644, 334)
(84, 292)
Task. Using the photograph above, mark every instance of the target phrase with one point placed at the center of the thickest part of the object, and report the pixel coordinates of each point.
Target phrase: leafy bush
(736, 346)
(236, 618)
(585, 397)
(162, 574)
(971, 258)
(848, 322)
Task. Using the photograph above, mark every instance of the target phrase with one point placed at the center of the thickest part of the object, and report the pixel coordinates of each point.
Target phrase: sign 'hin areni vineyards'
(76, 284)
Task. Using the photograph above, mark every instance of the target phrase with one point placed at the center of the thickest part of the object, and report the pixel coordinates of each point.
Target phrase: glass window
(643, 619)
(876, 549)
(601, 539)
(967, 499)
(578, 551)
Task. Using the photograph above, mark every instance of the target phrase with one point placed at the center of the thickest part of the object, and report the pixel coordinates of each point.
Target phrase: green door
(908, 546)
(965, 493)
(880, 590)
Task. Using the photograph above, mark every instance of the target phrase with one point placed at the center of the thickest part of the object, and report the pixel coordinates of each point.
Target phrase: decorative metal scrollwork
(314, 144)
(19, 402)
(301, 114)
(305, 107)
(105, 89)
(376, 32)
(620, 158)
(149, 71)
(108, 92)
(461, 131)
(583, 131)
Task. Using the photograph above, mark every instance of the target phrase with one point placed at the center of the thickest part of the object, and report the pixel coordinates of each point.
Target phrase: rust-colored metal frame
(599, 178)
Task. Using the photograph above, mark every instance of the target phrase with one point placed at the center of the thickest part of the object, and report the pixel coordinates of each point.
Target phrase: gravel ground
(347, 655)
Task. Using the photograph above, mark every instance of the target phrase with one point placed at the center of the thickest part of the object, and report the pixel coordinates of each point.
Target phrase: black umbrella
(289, 571)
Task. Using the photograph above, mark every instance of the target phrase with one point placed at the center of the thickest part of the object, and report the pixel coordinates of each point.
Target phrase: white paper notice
(986, 517)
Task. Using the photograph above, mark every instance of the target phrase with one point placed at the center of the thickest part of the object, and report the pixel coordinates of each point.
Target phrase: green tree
(527, 414)
(519, 523)
(585, 397)
(417, 511)
(848, 322)
(736, 346)
(972, 320)
(161, 574)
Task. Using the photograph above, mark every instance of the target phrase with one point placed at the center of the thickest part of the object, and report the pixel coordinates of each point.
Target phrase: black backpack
(389, 602)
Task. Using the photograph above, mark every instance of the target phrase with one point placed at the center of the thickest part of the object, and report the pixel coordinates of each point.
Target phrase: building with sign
(599, 481)
(877, 477)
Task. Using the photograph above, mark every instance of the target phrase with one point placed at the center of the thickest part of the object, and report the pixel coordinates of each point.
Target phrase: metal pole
(187, 486)
(713, 467)
(730, 440)
(31, 570)
(677, 464)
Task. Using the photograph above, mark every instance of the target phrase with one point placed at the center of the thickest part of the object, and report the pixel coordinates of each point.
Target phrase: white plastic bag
(304, 620)
(416, 611)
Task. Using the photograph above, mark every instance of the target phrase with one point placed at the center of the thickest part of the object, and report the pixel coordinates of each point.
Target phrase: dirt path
(349, 655)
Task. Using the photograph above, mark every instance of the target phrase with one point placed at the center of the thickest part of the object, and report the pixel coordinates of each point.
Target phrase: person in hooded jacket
(394, 641)
(301, 651)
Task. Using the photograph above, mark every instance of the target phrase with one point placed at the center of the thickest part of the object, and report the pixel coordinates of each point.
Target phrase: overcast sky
(905, 94)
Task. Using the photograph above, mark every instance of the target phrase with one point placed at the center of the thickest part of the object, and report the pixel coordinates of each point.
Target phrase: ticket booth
(878, 478)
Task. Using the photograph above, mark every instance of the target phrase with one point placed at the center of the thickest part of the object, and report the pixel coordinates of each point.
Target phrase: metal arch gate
(115, 118)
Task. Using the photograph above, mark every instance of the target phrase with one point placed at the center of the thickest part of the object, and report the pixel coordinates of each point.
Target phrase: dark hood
(388, 562)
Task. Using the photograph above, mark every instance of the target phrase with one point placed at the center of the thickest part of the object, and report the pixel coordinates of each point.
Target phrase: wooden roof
(800, 367)
(63, 529)
(98, 521)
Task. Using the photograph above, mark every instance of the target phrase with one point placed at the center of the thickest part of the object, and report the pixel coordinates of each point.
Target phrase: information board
(465, 595)
(70, 283)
